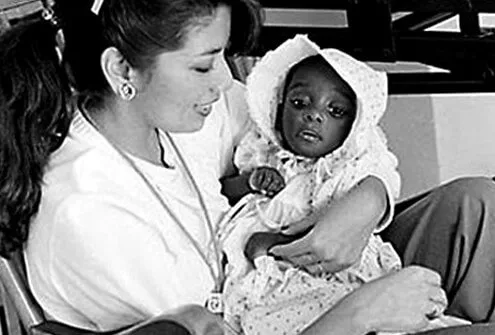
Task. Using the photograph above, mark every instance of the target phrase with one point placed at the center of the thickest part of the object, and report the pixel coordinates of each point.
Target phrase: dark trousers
(451, 229)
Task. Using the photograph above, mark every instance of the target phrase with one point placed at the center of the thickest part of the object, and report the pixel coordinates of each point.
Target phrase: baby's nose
(313, 116)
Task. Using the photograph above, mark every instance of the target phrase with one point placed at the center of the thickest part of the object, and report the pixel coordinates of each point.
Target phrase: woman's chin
(194, 126)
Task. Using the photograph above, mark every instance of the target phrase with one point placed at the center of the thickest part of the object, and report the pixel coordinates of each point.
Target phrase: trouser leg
(451, 229)
(477, 329)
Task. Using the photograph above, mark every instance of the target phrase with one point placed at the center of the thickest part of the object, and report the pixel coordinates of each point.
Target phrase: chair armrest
(153, 326)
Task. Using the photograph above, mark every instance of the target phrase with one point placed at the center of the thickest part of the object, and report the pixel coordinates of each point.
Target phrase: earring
(127, 91)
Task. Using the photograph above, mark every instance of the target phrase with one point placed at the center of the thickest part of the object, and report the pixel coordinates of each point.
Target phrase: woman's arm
(341, 230)
(399, 302)
(185, 320)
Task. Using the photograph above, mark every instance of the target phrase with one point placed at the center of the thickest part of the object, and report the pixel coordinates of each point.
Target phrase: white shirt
(102, 252)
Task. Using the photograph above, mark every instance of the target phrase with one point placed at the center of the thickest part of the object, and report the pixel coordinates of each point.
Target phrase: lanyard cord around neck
(218, 279)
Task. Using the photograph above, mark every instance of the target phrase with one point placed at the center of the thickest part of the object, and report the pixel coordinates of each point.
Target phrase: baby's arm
(264, 180)
(235, 187)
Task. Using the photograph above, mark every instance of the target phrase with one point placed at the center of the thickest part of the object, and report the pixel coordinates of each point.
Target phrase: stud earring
(127, 91)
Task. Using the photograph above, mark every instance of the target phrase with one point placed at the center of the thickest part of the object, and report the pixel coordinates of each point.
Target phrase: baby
(316, 136)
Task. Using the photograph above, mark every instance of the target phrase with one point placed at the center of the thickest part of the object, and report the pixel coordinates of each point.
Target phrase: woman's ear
(116, 69)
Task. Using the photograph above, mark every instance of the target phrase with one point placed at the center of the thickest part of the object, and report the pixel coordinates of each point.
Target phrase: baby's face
(318, 110)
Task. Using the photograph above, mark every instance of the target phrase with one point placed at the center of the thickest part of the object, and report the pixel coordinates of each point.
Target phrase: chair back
(14, 281)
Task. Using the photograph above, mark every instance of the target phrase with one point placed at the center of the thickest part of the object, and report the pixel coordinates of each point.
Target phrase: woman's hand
(341, 231)
(400, 302)
(266, 180)
(326, 248)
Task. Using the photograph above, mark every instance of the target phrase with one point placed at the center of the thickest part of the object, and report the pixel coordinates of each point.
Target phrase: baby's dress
(277, 298)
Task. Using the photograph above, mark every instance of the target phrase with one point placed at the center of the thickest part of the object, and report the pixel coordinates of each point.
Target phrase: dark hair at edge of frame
(34, 118)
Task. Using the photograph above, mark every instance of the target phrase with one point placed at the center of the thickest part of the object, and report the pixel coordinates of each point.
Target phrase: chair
(24, 315)
(20, 307)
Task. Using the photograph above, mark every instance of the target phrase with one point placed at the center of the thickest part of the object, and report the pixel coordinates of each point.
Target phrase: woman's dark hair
(37, 89)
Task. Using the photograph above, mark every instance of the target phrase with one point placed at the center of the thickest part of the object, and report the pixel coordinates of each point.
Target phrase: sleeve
(380, 162)
(251, 152)
(111, 263)
(383, 165)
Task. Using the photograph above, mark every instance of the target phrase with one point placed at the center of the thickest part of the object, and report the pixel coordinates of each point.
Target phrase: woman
(120, 231)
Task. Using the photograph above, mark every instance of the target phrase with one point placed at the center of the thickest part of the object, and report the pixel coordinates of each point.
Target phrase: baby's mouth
(309, 135)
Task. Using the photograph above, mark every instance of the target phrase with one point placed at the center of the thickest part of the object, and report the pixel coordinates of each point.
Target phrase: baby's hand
(266, 180)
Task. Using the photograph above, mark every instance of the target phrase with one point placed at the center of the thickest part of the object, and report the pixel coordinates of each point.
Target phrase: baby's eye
(337, 112)
(299, 103)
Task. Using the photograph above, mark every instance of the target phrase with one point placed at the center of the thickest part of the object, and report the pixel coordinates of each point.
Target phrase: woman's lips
(309, 135)
(205, 109)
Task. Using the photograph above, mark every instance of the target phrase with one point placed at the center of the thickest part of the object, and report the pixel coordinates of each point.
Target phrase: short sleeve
(378, 161)
(251, 152)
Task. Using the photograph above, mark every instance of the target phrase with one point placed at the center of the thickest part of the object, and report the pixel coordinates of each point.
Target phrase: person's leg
(477, 329)
(451, 229)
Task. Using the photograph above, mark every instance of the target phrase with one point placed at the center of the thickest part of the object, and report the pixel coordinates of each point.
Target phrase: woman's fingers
(437, 303)
(293, 251)
(304, 260)
(439, 296)
(403, 301)
(432, 277)
(324, 267)
(434, 311)
(299, 226)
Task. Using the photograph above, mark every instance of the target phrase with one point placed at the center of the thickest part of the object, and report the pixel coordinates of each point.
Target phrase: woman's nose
(313, 115)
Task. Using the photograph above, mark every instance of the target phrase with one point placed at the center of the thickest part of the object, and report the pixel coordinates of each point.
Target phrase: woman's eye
(202, 69)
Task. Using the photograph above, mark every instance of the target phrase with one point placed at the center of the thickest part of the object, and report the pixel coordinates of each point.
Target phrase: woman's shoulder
(82, 166)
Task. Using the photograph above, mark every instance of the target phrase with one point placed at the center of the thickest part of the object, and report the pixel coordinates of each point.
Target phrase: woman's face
(183, 85)
(318, 111)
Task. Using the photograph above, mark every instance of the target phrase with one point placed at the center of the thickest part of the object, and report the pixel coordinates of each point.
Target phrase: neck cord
(218, 279)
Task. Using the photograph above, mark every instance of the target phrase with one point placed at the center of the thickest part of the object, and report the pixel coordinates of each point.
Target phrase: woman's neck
(130, 133)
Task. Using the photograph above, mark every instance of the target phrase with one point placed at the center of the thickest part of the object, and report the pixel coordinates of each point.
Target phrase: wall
(441, 137)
